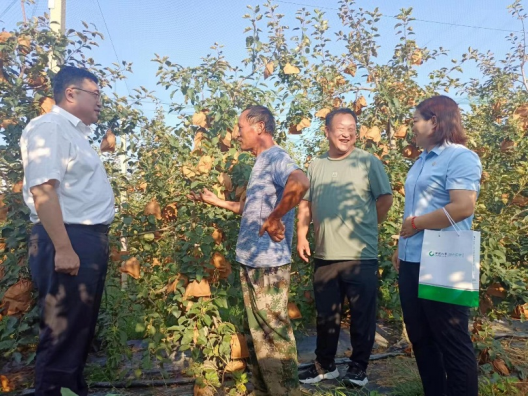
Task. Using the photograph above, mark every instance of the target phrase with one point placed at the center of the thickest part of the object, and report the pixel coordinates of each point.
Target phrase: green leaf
(221, 302)
(207, 320)
(67, 392)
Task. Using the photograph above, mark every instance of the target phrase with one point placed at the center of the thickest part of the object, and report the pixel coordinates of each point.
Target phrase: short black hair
(330, 116)
(258, 113)
(67, 76)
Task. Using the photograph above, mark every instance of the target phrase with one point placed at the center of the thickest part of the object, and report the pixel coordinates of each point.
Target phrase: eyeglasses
(96, 95)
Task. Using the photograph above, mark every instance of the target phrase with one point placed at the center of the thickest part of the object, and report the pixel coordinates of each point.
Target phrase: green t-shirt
(343, 196)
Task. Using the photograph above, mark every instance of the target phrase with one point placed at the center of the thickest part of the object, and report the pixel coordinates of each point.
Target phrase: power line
(415, 19)
(8, 8)
(111, 41)
(35, 8)
(464, 26)
(309, 5)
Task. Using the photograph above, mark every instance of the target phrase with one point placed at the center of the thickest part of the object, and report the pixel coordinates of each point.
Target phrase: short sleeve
(308, 194)
(464, 171)
(282, 166)
(378, 179)
(48, 154)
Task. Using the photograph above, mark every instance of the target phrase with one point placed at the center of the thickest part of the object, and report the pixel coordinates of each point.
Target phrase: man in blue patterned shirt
(264, 250)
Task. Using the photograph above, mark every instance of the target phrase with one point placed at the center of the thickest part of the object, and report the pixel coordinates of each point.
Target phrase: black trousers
(68, 306)
(441, 342)
(333, 280)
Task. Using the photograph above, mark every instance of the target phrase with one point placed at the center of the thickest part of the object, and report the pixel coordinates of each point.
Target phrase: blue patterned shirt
(265, 190)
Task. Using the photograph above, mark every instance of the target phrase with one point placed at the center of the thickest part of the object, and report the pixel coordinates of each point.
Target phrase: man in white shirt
(72, 205)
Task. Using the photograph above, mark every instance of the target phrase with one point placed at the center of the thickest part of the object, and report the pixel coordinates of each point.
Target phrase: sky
(185, 30)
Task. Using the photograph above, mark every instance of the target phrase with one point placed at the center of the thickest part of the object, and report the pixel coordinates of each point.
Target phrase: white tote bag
(449, 269)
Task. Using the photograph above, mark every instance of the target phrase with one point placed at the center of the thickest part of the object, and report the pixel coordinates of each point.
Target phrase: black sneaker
(355, 376)
(316, 373)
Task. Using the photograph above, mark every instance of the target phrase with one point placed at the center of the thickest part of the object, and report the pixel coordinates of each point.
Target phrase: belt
(100, 228)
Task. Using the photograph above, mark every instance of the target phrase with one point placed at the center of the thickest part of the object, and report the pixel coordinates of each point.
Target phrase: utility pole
(57, 23)
(57, 15)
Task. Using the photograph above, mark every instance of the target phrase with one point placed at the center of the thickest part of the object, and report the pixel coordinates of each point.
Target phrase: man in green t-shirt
(349, 196)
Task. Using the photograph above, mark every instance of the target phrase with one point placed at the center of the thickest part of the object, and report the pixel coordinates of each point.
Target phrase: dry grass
(400, 376)
(516, 350)
(395, 376)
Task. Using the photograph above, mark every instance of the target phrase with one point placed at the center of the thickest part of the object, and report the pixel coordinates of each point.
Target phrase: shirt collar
(437, 150)
(72, 119)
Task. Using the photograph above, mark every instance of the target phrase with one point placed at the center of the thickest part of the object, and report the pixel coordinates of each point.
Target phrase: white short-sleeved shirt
(56, 146)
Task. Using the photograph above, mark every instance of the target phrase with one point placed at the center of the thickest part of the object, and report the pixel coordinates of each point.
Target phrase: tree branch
(523, 58)
(391, 134)
(23, 11)
(363, 89)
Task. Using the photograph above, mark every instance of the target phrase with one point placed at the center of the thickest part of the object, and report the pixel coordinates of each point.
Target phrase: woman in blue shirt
(446, 174)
